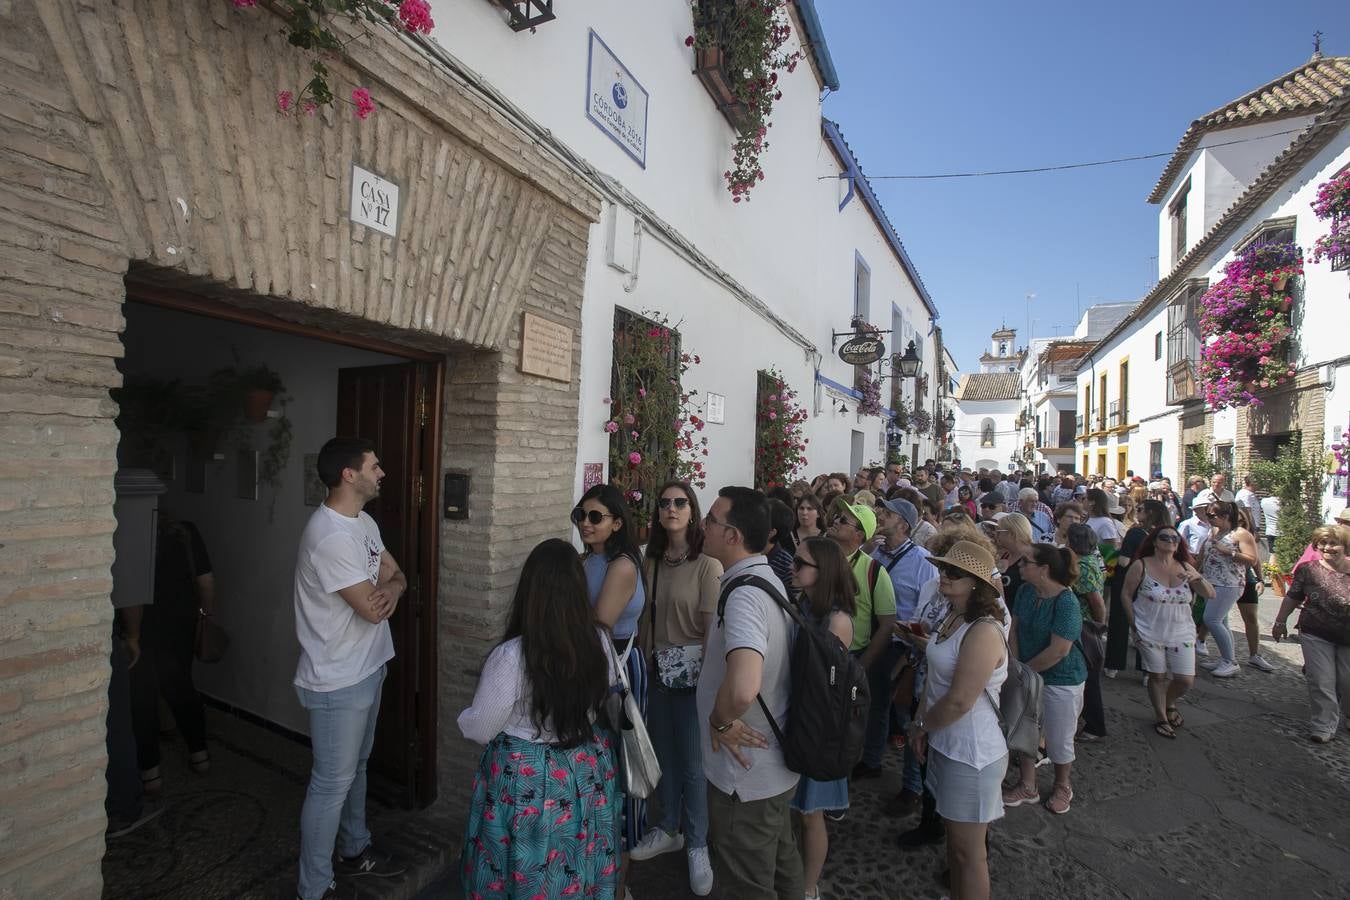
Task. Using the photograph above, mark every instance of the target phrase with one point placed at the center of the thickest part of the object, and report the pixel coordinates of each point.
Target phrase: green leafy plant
(653, 424)
(750, 34)
(309, 27)
(1297, 478)
(1200, 460)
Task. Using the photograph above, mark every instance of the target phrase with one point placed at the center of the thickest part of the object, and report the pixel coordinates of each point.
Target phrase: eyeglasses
(1167, 539)
(952, 573)
(709, 520)
(798, 564)
(841, 519)
(677, 502)
(594, 516)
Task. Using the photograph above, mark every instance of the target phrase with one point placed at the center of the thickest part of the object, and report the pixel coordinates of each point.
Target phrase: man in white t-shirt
(347, 585)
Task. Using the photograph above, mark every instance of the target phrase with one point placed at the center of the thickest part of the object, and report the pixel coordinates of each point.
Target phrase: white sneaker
(1201, 649)
(1110, 673)
(700, 871)
(1259, 662)
(1226, 670)
(1210, 665)
(655, 842)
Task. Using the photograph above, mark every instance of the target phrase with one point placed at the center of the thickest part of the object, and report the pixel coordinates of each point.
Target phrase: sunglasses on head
(677, 502)
(798, 564)
(594, 516)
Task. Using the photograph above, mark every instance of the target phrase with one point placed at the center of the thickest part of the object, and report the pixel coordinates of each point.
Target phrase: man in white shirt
(749, 784)
(1219, 485)
(347, 585)
(1249, 498)
(1195, 530)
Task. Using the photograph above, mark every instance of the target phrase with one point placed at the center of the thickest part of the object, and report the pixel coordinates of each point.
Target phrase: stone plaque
(545, 348)
(374, 201)
(717, 409)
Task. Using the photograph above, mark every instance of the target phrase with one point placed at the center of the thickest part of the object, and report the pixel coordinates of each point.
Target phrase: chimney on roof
(1317, 46)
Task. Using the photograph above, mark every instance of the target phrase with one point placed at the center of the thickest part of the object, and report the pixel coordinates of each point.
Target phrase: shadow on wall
(252, 554)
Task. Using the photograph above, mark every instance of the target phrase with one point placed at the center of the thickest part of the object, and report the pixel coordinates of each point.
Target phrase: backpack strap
(767, 587)
(873, 573)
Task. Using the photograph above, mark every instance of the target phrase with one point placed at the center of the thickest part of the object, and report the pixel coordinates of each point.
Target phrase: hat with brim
(1205, 498)
(1115, 509)
(1344, 516)
(970, 558)
(866, 518)
(904, 509)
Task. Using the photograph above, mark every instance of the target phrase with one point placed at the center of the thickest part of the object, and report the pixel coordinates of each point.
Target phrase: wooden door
(390, 406)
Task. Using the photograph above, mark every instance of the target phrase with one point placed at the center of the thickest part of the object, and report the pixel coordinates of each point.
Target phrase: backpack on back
(827, 713)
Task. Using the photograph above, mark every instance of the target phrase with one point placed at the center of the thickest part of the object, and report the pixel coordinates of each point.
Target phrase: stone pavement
(1240, 805)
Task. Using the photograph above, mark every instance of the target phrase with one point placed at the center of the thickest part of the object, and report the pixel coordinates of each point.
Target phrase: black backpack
(827, 715)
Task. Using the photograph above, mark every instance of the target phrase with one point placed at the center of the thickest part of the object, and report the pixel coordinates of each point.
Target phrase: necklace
(675, 562)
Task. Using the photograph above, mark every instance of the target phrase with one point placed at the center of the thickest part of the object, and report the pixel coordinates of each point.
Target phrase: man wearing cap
(909, 569)
(1041, 519)
(991, 504)
(1195, 530)
(851, 526)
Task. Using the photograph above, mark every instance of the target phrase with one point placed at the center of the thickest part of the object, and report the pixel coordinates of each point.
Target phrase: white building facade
(988, 404)
(751, 286)
(1242, 175)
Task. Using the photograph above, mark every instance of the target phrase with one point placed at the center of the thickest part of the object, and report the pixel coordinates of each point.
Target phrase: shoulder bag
(677, 666)
(637, 757)
(1020, 705)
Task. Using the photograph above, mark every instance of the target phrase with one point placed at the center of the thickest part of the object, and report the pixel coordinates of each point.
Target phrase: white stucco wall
(970, 416)
(790, 245)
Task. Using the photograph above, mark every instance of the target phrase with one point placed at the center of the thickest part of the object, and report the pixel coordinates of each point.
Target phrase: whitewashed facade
(1247, 172)
(751, 285)
(988, 404)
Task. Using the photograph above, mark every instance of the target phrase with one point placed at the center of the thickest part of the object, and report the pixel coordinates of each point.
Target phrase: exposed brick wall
(110, 114)
(1299, 406)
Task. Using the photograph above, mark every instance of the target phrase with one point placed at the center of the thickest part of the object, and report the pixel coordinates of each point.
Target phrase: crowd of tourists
(960, 607)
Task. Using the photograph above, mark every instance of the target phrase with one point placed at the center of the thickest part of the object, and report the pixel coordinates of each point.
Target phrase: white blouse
(976, 738)
(503, 700)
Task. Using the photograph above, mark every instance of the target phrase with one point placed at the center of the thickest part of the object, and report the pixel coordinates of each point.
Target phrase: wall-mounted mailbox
(456, 495)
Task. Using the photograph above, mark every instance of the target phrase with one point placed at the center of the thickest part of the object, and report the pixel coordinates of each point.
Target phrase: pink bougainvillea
(1333, 205)
(780, 448)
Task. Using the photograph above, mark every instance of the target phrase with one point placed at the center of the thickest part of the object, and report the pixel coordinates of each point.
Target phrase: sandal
(1164, 729)
(1174, 717)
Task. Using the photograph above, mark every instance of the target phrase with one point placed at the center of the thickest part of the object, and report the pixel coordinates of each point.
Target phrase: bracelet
(722, 729)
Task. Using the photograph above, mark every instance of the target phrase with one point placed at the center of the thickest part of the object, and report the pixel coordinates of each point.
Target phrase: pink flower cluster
(416, 16)
(780, 448)
(364, 105)
(1333, 203)
(1244, 324)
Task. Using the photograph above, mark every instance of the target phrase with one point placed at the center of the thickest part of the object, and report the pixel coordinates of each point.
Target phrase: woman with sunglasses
(957, 732)
(822, 574)
(673, 630)
(1150, 516)
(965, 498)
(1156, 601)
(1224, 558)
(810, 518)
(614, 581)
(1046, 621)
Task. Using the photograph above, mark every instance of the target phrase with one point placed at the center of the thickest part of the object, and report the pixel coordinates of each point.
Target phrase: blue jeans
(672, 724)
(879, 714)
(342, 731)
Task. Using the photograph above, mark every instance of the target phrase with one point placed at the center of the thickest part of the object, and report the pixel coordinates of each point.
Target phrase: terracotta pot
(1280, 282)
(256, 405)
(1278, 583)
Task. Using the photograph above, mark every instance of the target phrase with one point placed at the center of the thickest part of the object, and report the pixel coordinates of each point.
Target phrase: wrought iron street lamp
(909, 364)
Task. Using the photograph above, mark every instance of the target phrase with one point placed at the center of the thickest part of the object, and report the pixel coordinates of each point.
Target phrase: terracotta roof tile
(1304, 91)
(989, 386)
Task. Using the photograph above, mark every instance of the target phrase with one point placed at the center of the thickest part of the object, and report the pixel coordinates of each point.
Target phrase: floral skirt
(543, 821)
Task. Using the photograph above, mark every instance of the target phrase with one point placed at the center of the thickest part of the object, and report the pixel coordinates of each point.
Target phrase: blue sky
(973, 86)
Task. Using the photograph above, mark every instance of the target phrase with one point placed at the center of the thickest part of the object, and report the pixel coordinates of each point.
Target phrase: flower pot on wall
(1280, 282)
(710, 65)
(256, 405)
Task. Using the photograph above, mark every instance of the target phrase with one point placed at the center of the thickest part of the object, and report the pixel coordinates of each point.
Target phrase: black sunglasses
(678, 502)
(595, 517)
(1167, 539)
(798, 564)
(840, 518)
(952, 573)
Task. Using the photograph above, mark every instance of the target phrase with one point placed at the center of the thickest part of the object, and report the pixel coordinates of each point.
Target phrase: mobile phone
(916, 628)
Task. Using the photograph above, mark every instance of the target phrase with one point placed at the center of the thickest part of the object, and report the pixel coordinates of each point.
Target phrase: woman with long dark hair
(1156, 600)
(822, 574)
(1149, 516)
(544, 813)
(810, 517)
(614, 581)
(782, 545)
(684, 584)
(1046, 621)
(1102, 507)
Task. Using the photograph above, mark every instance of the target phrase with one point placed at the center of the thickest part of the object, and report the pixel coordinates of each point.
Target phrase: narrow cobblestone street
(1240, 805)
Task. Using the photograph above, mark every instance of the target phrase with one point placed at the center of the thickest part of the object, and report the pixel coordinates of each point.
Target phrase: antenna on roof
(1317, 45)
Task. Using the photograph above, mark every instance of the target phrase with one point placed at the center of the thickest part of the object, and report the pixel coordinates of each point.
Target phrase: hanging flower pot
(1279, 282)
(256, 405)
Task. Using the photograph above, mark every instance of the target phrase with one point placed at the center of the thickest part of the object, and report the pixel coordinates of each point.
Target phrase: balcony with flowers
(1246, 328)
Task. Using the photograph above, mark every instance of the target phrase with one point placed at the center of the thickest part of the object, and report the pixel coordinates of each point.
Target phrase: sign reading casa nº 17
(615, 102)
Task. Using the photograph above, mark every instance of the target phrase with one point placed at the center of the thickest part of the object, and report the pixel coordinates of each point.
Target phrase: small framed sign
(717, 409)
(615, 101)
(374, 201)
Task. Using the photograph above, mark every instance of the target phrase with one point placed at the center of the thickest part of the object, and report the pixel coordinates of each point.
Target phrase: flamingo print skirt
(544, 821)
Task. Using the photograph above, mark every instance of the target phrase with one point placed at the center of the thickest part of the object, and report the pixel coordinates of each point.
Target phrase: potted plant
(1333, 205)
(253, 389)
(1297, 479)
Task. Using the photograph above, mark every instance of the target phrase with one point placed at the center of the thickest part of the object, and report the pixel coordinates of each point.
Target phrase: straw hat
(1344, 516)
(971, 558)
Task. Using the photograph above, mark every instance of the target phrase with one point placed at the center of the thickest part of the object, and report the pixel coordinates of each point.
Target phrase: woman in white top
(1224, 558)
(1156, 599)
(957, 727)
(1101, 507)
(544, 818)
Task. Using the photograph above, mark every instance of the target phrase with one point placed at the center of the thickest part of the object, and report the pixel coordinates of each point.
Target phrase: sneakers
(150, 810)
(1201, 649)
(655, 842)
(1225, 670)
(836, 815)
(1110, 673)
(370, 861)
(1060, 798)
(700, 871)
(1210, 665)
(1259, 662)
(1320, 738)
(1019, 794)
(334, 892)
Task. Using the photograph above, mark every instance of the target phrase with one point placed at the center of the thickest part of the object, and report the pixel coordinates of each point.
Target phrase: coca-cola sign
(862, 350)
